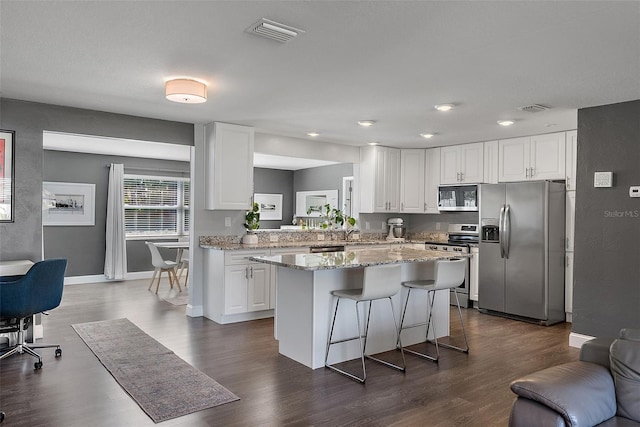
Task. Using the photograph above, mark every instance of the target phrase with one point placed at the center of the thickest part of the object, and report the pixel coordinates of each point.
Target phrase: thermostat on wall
(603, 179)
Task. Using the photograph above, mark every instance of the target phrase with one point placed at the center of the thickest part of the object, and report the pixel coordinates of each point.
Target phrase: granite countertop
(231, 246)
(354, 258)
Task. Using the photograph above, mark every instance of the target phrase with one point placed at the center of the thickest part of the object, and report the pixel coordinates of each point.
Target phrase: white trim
(100, 278)
(195, 310)
(576, 340)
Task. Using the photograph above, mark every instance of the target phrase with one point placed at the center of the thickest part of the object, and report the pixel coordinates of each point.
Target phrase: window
(155, 206)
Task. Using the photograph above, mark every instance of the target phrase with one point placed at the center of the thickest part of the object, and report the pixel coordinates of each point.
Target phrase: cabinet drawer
(240, 257)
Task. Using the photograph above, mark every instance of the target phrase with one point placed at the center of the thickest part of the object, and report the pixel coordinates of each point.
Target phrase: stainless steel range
(461, 238)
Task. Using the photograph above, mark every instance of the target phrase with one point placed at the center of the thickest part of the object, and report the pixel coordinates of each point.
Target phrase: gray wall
(86, 249)
(606, 293)
(276, 181)
(22, 239)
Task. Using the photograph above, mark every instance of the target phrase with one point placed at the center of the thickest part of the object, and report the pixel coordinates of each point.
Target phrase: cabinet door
(259, 291)
(229, 166)
(450, 165)
(432, 180)
(471, 163)
(236, 282)
(513, 159)
(412, 181)
(473, 274)
(571, 159)
(568, 284)
(548, 156)
(379, 179)
(570, 215)
(491, 162)
(392, 179)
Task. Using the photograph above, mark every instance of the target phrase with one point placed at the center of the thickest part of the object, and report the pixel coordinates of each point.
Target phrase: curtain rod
(152, 169)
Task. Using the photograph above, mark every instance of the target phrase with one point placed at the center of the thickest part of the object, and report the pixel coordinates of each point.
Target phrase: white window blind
(156, 206)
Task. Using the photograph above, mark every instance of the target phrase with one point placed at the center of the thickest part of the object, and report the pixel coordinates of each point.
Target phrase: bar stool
(379, 282)
(449, 274)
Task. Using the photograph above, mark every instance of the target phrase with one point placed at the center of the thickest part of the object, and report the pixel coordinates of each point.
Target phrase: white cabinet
(491, 162)
(571, 159)
(379, 179)
(473, 273)
(229, 166)
(431, 180)
(412, 181)
(247, 284)
(568, 286)
(537, 157)
(462, 164)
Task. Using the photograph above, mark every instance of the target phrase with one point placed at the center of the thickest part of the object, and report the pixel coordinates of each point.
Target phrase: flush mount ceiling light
(444, 107)
(366, 123)
(373, 143)
(427, 135)
(186, 91)
(505, 122)
(313, 134)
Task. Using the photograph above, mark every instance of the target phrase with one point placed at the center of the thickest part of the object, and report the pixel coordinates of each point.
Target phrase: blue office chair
(23, 296)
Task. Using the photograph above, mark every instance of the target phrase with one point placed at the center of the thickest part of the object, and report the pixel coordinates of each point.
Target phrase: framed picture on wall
(68, 203)
(270, 206)
(7, 185)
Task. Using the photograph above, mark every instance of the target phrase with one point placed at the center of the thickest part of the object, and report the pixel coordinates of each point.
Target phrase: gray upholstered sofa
(603, 388)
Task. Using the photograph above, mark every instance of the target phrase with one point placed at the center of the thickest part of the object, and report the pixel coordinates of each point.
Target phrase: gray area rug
(164, 385)
(181, 299)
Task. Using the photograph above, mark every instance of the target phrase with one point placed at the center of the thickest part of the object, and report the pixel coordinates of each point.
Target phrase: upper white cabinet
(571, 159)
(412, 181)
(379, 179)
(229, 166)
(532, 158)
(491, 162)
(462, 163)
(431, 180)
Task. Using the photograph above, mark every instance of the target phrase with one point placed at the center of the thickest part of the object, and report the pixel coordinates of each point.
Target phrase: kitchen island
(304, 306)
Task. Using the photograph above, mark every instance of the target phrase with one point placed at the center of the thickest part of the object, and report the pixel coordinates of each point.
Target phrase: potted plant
(252, 223)
(334, 217)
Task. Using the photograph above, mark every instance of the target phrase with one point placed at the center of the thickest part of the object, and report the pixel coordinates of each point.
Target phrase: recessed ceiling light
(373, 143)
(314, 134)
(443, 107)
(366, 123)
(505, 122)
(427, 135)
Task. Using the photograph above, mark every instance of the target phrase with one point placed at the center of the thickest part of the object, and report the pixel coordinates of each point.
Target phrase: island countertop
(355, 258)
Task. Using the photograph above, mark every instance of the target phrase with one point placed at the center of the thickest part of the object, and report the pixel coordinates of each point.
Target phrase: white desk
(15, 268)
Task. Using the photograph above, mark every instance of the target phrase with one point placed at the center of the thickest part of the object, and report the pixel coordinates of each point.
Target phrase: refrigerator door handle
(501, 231)
(507, 230)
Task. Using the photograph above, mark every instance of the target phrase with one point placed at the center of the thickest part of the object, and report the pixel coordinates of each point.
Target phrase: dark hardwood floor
(462, 390)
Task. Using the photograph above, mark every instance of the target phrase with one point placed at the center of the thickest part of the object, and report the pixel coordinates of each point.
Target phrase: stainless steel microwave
(458, 198)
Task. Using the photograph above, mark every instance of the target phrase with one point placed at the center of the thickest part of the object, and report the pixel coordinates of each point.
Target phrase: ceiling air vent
(533, 108)
(273, 30)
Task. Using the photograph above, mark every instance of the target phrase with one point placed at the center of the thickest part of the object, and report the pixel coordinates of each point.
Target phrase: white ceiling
(389, 61)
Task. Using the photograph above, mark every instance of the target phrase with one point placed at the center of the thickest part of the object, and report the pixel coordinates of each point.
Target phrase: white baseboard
(100, 278)
(576, 340)
(195, 310)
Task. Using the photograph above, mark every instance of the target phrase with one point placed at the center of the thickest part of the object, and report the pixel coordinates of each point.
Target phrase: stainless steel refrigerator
(521, 258)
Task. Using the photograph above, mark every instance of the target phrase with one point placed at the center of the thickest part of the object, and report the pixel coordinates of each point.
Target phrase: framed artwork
(311, 203)
(270, 206)
(7, 185)
(68, 203)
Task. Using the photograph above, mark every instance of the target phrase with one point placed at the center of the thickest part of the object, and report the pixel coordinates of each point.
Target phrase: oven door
(458, 198)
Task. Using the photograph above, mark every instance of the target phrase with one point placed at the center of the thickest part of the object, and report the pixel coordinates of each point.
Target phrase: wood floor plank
(462, 390)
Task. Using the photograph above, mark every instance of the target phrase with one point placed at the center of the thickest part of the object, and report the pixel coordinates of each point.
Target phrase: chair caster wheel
(58, 352)
(37, 365)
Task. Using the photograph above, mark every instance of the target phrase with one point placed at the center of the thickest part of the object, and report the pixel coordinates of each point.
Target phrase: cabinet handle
(402, 206)
(252, 272)
(526, 173)
(246, 272)
(567, 260)
(461, 176)
(425, 207)
(532, 172)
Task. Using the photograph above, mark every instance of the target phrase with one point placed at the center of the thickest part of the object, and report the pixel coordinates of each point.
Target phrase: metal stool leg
(466, 342)
(428, 323)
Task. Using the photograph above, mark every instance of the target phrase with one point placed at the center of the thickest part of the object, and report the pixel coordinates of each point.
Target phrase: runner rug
(164, 385)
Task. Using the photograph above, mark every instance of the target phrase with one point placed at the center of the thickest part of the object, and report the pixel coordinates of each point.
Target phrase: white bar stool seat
(379, 282)
(449, 274)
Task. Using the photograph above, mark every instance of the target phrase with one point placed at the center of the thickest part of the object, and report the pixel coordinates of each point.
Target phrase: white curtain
(115, 259)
